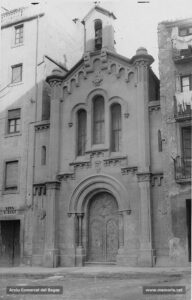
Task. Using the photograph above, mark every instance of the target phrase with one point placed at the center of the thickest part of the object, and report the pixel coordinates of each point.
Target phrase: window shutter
(14, 113)
(11, 174)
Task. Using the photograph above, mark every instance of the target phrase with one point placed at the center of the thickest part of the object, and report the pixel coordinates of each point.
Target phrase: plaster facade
(174, 64)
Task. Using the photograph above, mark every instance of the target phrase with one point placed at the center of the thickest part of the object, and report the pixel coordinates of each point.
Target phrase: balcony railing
(183, 106)
(182, 169)
(182, 55)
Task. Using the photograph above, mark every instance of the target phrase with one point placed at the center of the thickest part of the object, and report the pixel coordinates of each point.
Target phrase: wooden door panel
(9, 243)
(96, 241)
(103, 228)
(111, 240)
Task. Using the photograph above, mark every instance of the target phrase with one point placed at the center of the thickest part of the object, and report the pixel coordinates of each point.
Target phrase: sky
(136, 24)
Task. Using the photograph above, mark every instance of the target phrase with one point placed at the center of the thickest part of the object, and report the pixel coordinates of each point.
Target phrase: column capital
(80, 215)
(53, 185)
(144, 176)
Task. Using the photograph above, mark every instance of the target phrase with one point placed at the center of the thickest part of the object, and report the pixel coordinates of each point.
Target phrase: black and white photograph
(95, 149)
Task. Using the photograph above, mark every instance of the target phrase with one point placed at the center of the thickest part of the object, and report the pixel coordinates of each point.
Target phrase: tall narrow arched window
(98, 34)
(81, 131)
(43, 155)
(160, 141)
(115, 127)
(98, 120)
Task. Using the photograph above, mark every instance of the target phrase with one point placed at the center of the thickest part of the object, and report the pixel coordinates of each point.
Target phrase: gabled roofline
(176, 22)
(99, 9)
(56, 63)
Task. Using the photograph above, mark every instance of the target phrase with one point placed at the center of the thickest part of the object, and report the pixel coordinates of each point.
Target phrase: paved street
(99, 286)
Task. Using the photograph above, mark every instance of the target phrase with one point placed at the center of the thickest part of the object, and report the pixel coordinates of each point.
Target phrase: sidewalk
(93, 271)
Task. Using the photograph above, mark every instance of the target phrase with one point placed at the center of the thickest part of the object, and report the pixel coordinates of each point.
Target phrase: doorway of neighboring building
(103, 228)
(188, 213)
(9, 243)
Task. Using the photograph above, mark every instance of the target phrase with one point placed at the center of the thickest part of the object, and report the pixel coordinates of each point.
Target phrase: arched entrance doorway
(103, 241)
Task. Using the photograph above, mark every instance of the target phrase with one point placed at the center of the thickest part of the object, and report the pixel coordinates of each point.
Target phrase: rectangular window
(186, 83)
(14, 121)
(11, 175)
(185, 31)
(18, 34)
(17, 73)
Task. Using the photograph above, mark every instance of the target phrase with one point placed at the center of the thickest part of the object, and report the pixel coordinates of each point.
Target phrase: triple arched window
(98, 126)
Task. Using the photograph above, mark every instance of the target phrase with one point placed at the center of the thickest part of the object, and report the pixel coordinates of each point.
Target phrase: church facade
(103, 169)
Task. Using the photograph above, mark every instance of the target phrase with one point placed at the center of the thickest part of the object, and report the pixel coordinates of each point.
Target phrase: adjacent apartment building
(28, 55)
(175, 66)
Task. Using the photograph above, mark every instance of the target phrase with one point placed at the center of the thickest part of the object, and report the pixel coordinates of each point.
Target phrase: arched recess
(75, 109)
(91, 185)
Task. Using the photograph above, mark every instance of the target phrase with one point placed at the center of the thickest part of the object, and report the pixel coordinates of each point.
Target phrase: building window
(185, 31)
(160, 141)
(11, 175)
(17, 73)
(82, 131)
(115, 127)
(98, 34)
(43, 155)
(14, 120)
(98, 120)
(186, 83)
(18, 34)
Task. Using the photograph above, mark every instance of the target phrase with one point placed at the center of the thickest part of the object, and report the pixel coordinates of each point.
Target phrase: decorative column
(142, 61)
(146, 251)
(121, 231)
(51, 253)
(80, 253)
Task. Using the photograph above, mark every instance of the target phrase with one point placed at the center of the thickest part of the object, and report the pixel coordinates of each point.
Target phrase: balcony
(182, 170)
(183, 106)
(182, 55)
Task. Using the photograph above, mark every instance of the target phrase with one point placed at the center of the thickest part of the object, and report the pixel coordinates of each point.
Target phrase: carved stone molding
(39, 189)
(114, 161)
(66, 176)
(156, 179)
(142, 177)
(97, 153)
(98, 78)
(128, 170)
(40, 127)
(81, 164)
(53, 185)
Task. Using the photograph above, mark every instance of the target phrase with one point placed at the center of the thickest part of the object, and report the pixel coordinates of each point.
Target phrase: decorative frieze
(81, 164)
(66, 176)
(114, 161)
(128, 170)
(53, 185)
(97, 153)
(40, 127)
(39, 189)
(142, 177)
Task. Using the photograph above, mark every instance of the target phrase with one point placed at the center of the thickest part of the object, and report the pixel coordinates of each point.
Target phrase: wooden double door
(103, 228)
(9, 243)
